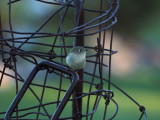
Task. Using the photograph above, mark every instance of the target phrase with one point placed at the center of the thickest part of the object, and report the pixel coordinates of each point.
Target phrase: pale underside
(75, 61)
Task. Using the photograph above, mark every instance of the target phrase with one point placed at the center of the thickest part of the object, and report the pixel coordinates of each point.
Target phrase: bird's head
(78, 50)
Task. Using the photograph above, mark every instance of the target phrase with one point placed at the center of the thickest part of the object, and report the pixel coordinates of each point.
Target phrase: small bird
(76, 58)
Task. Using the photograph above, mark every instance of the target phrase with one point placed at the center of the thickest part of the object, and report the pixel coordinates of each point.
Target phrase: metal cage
(57, 93)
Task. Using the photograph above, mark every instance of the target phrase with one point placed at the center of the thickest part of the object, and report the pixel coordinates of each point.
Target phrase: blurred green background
(136, 66)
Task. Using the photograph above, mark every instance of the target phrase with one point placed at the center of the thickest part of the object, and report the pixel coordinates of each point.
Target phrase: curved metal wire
(12, 50)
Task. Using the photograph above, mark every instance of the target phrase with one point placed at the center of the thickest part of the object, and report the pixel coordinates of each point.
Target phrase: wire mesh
(47, 89)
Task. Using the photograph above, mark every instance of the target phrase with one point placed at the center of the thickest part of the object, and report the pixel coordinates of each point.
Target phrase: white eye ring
(80, 50)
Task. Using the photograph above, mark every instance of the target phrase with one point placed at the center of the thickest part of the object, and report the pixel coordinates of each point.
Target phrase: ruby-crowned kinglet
(76, 58)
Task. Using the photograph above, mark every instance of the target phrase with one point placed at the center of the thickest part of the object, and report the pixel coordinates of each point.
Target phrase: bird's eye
(80, 50)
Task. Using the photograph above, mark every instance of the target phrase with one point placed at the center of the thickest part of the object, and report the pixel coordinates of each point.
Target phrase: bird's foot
(76, 72)
(68, 69)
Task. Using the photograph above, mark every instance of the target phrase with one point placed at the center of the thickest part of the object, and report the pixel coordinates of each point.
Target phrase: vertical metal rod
(79, 41)
(1, 37)
(109, 76)
(13, 45)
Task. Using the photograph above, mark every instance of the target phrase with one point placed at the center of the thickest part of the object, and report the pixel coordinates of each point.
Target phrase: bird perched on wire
(76, 58)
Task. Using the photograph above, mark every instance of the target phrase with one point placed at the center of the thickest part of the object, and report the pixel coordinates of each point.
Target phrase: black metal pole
(79, 41)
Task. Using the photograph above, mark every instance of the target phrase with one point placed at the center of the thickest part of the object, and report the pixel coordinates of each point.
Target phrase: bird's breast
(75, 61)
